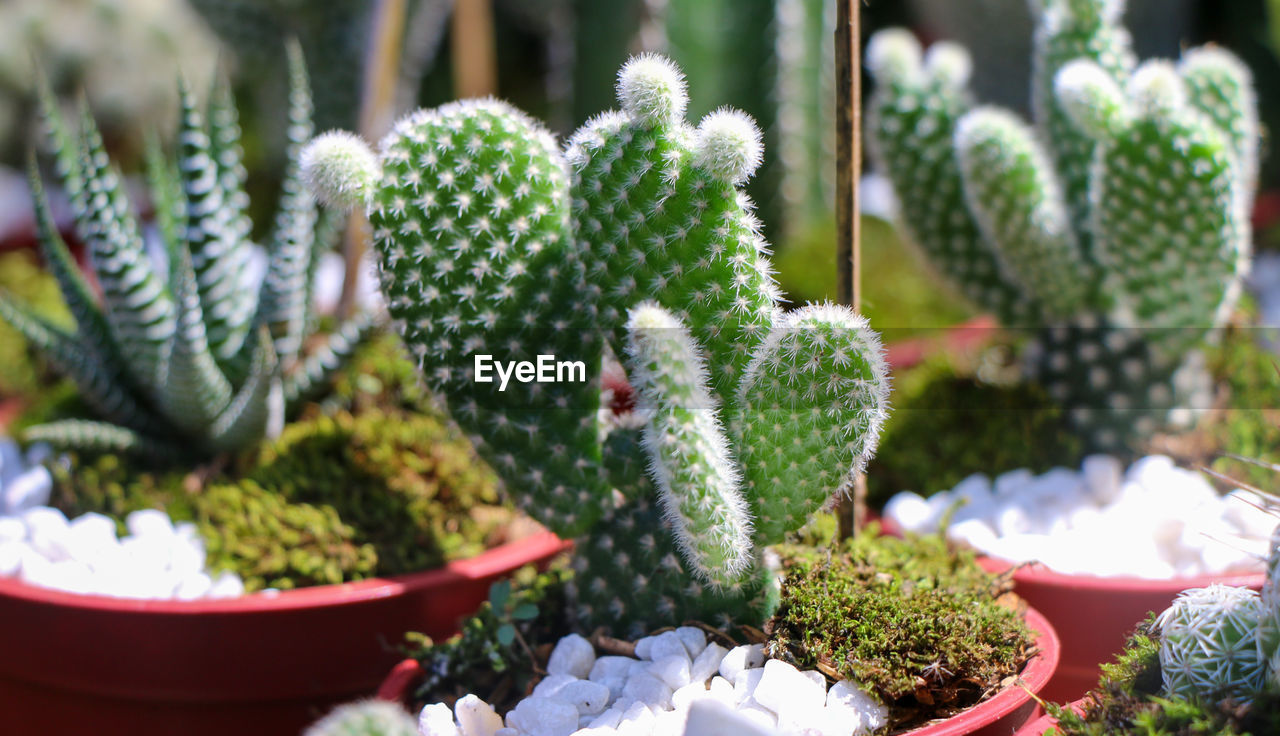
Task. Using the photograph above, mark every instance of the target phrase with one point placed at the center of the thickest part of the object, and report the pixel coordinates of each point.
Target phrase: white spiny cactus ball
(728, 145)
(652, 89)
(1156, 88)
(366, 718)
(893, 54)
(341, 170)
(1209, 644)
(949, 61)
(1090, 96)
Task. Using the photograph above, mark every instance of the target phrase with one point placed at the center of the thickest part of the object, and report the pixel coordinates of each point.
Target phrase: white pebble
(573, 655)
(543, 717)
(693, 638)
(910, 512)
(476, 717)
(648, 689)
(550, 685)
(148, 522)
(711, 718)
(745, 684)
(674, 671)
(26, 490)
(437, 720)
(782, 686)
(667, 644)
(608, 719)
(637, 720)
(858, 708)
(610, 666)
(741, 658)
(590, 698)
(707, 663)
(227, 585)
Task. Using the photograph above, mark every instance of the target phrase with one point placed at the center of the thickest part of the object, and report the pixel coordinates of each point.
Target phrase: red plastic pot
(911, 352)
(259, 664)
(1039, 726)
(1095, 615)
(999, 716)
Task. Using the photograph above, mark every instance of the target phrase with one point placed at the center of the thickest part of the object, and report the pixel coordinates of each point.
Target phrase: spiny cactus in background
(193, 360)
(636, 241)
(1118, 231)
(366, 718)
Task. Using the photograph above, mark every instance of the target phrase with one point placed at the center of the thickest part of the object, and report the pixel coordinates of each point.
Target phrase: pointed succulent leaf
(218, 255)
(167, 200)
(285, 298)
(60, 141)
(689, 460)
(138, 307)
(228, 157)
(256, 407)
(99, 437)
(91, 323)
(813, 400)
(315, 371)
(103, 388)
(195, 392)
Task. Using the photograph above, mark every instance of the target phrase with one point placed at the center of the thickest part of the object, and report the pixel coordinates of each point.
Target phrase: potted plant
(1204, 665)
(1070, 233)
(635, 242)
(191, 365)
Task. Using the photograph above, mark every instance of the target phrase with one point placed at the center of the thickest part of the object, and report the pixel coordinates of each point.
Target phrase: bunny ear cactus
(190, 361)
(635, 241)
(1116, 229)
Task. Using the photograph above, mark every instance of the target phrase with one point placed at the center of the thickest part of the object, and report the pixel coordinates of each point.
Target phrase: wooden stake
(852, 512)
(381, 72)
(475, 63)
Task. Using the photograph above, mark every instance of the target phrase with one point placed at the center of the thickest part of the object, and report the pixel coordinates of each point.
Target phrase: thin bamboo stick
(853, 512)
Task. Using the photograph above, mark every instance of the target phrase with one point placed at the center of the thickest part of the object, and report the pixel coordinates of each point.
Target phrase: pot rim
(1038, 574)
(490, 563)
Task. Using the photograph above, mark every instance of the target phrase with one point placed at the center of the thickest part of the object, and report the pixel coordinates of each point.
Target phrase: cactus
(366, 718)
(1116, 230)
(191, 361)
(1209, 645)
(634, 241)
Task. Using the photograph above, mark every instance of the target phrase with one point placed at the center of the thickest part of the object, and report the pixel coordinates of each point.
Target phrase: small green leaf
(506, 634)
(525, 612)
(498, 594)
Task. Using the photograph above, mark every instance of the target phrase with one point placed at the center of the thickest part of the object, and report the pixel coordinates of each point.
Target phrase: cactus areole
(633, 243)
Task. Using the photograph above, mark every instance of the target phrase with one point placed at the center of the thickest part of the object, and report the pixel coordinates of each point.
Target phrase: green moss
(920, 625)
(1250, 425)
(21, 374)
(1127, 701)
(947, 424)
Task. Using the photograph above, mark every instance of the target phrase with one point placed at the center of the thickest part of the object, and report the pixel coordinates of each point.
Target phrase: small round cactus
(1209, 645)
(365, 718)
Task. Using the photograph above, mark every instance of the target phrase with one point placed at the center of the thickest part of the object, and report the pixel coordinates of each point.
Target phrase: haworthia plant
(635, 242)
(1116, 230)
(193, 360)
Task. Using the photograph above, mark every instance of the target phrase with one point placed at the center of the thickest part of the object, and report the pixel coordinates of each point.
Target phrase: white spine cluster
(651, 89)
(341, 170)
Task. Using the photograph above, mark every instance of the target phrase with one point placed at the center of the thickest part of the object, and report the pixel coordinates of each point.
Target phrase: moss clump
(384, 488)
(1127, 701)
(410, 486)
(918, 624)
(948, 424)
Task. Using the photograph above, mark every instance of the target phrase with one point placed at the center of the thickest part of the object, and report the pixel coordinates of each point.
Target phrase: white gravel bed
(39, 545)
(1154, 520)
(677, 684)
